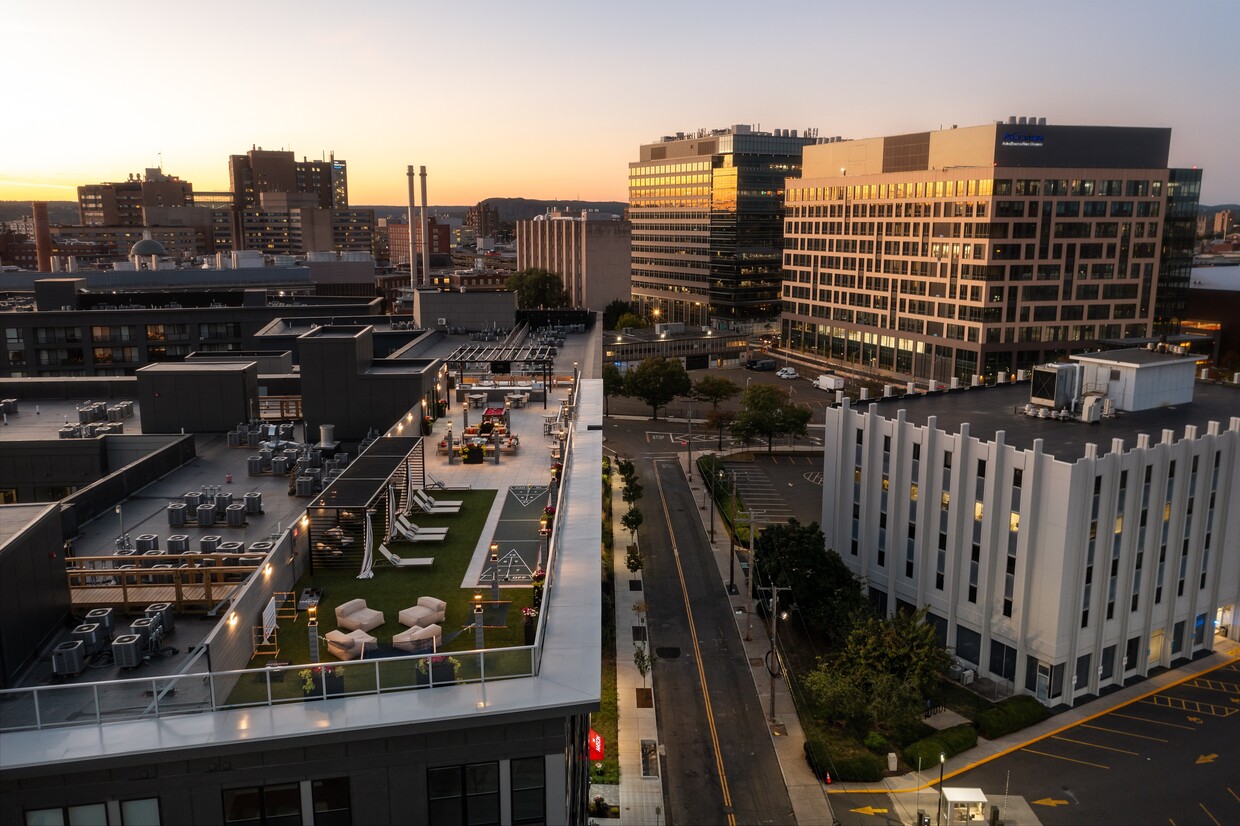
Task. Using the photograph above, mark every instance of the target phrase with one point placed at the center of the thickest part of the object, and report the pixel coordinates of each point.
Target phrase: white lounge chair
(426, 500)
(405, 562)
(410, 532)
(421, 505)
(403, 521)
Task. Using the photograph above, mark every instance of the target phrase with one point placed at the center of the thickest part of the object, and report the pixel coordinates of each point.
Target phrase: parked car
(787, 373)
(761, 364)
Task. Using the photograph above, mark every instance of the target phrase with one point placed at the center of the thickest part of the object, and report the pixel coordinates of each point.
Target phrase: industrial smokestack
(42, 235)
(426, 246)
(413, 259)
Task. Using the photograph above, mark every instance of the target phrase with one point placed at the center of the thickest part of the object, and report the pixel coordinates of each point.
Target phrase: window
(528, 790)
(467, 795)
(280, 804)
(140, 812)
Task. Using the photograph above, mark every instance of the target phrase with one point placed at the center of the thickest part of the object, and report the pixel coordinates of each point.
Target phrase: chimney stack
(426, 243)
(42, 235)
(413, 258)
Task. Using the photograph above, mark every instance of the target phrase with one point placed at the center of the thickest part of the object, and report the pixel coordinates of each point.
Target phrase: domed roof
(145, 247)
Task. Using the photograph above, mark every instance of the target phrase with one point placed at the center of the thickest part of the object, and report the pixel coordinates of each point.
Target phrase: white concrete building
(589, 250)
(1063, 557)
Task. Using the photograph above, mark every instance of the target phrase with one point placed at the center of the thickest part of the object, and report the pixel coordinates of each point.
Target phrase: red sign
(596, 745)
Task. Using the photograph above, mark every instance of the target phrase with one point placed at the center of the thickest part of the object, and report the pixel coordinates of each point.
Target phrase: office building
(483, 219)
(398, 240)
(264, 170)
(122, 203)
(707, 216)
(991, 248)
(589, 250)
(1066, 533)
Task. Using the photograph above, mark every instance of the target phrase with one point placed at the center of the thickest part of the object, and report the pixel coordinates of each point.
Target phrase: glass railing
(88, 704)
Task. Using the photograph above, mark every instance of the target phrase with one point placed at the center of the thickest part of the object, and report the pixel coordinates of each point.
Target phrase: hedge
(949, 741)
(865, 768)
(1013, 714)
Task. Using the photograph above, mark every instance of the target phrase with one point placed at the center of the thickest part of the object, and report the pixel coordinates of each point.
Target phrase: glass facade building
(945, 255)
(707, 216)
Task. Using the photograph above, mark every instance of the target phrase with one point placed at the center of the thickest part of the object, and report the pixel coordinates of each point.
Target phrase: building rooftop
(1138, 356)
(989, 410)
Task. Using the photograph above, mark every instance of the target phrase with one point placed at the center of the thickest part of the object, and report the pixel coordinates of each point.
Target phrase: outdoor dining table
(477, 400)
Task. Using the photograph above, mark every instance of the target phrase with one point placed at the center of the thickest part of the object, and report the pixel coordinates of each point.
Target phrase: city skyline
(554, 103)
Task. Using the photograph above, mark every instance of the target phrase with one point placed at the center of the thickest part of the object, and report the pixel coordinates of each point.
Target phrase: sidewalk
(640, 798)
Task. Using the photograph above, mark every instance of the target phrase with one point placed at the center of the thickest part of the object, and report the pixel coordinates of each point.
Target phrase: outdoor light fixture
(232, 619)
(305, 521)
(314, 613)
(267, 569)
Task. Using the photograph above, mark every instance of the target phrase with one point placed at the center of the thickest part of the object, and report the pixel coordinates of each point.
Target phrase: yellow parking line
(1096, 746)
(1233, 793)
(1207, 811)
(1126, 733)
(1216, 685)
(1068, 759)
(1156, 722)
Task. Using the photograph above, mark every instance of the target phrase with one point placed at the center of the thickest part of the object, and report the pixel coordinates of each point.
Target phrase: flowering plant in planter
(549, 511)
(539, 576)
(310, 677)
(530, 614)
(425, 663)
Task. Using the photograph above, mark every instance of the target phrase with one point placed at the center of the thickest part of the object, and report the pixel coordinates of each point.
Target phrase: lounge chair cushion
(347, 646)
(405, 639)
(354, 616)
(428, 610)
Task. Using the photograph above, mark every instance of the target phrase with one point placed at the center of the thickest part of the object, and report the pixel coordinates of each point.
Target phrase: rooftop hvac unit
(206, 515)
(235, 514)
(208, 544)
(91, 636)
(162, 610)
(147, 542)
(263, 548)
(1054, 385)
(178, 543)
(69, 658)
(955, 671)
(176, 515)
(143, 627)
(966, 677)
(253, 502)
(103, 618)
(127, 651)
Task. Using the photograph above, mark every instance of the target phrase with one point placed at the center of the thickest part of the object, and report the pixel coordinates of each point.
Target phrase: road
(719, 765)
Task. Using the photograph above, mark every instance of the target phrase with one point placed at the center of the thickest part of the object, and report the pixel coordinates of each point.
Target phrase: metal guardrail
(86, 704)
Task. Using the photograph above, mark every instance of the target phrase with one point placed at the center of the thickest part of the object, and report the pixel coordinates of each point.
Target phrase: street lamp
(495, 571)
(938, 814)
(121, 540)
(713, 486)
(478, 642)
(312, 628)
(451, 448)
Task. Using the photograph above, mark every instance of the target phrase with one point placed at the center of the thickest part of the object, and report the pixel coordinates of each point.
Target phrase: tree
(656, 381)
(825, 592)
(626, 468)
(631, 320)
(613, 311)
(713, 389)
(633, 559)
(883, 671)
(536, 288)
(643, 661)
(632, 520)
(613, 383)
(720, 420)
(767, 411)
(632, 490)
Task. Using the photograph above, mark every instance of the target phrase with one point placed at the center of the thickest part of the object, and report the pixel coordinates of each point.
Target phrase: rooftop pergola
(499, 359)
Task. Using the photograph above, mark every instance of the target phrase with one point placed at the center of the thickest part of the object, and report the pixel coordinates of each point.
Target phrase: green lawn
(605, 720)
(393, 589)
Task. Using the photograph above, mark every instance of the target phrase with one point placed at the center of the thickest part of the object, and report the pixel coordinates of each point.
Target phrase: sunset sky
(552, 99)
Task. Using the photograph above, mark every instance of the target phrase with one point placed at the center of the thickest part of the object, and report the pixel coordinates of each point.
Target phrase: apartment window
(273, 805)
(467, 795)
(528, 790)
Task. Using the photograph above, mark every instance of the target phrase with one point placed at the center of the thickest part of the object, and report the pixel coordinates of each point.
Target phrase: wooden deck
(204, 582)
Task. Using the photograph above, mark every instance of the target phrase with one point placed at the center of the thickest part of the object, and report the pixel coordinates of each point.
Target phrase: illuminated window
(978, 511)
(1014, 523)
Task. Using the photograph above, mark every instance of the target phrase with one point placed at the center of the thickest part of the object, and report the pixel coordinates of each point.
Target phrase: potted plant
(438, 670)
(312, 680)
(539, 580)
(530, 617)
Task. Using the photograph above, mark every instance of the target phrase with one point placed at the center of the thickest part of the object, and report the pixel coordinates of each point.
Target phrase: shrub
(864, 768)
(1013, 714)
(950, 741)
(817, 757)
(908, 731)
(877, 743)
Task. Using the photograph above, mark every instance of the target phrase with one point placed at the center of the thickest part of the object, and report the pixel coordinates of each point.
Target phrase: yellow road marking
(1096, 746)
(1216, 685)
(1116, 731)
(1233, 793)
(1068, 759)
(1155, 722)
(1165, 701)
(697, 653)
(1230, 664)
(1207, 811)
